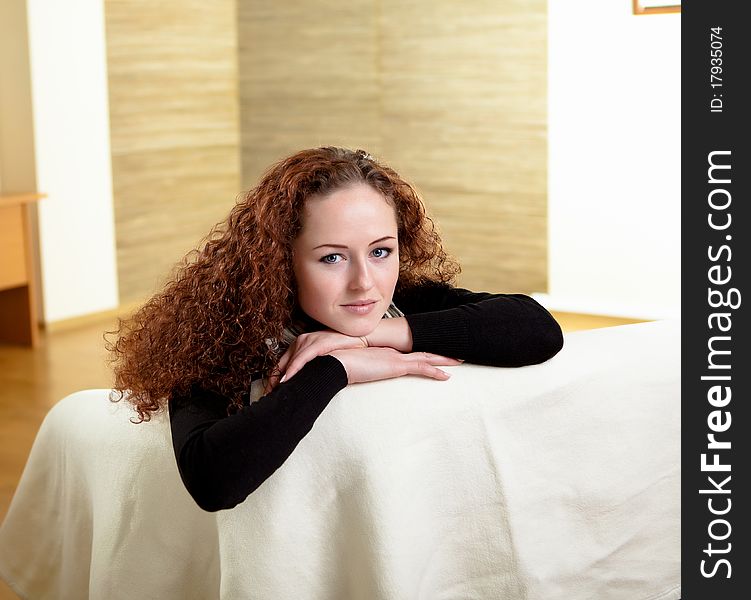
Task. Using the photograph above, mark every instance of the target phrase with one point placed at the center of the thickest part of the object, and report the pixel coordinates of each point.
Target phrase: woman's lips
(360, 309)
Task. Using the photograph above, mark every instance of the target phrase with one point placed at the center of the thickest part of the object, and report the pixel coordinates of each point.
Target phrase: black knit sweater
(222, 458)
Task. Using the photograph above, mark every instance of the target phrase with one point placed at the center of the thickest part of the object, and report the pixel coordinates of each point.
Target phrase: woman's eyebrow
(386, 237)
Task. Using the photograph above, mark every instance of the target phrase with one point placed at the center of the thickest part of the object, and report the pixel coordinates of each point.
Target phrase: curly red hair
(208, 326)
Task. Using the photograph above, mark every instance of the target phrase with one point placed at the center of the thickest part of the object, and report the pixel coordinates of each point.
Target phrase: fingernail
(283, 378)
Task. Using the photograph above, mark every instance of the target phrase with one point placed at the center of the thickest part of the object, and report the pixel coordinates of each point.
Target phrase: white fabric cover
(555, 481)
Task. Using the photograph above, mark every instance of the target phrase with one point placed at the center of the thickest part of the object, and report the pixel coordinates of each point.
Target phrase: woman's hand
(309, 345)
(374, 364)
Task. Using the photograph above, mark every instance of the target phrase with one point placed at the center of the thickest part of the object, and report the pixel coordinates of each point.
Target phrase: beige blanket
(556, 481)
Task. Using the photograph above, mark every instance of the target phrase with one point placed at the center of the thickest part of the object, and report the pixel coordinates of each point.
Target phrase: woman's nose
(361, 276)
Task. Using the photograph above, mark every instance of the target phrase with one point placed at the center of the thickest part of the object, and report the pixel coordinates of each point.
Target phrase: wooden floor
(72, 359)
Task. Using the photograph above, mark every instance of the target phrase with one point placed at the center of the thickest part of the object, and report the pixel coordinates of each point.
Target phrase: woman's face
(346, 259)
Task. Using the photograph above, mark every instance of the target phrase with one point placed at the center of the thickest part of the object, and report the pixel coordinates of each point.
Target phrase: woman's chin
(357, 329)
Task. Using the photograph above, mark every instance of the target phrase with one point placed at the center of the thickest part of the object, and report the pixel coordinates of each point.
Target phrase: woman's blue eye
(326, 258)
(381, 252)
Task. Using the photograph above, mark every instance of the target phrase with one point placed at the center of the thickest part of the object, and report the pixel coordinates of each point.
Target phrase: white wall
(71, 137)
(614, 160)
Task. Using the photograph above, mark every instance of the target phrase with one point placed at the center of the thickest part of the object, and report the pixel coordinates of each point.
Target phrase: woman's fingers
(438, 359)
(426, 370)
(274, 379)
(286, 358)
(308, 346)
(301, 358)
(426, 364)
(376, 363)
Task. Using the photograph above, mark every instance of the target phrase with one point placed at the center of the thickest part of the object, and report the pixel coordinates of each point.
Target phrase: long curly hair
(209, 325)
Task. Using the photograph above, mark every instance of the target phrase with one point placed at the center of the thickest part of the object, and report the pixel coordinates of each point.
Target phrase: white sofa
(555, 481)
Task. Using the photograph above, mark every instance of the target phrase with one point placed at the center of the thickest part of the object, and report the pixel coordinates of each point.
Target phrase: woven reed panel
(464, 115)
(174, 130)
(17, 160)
(309, 77)
(452, 94)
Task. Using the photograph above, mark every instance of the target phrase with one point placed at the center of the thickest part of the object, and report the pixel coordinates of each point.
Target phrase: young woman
(328, 273)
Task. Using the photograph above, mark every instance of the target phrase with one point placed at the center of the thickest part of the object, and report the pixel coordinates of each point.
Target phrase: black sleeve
(222, 459)
(501, 330)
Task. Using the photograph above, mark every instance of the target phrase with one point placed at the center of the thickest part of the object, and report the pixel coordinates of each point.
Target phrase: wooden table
(18, 312)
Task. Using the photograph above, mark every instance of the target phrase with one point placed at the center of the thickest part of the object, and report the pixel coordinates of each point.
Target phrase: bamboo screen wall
(174, 130)
(453, 95)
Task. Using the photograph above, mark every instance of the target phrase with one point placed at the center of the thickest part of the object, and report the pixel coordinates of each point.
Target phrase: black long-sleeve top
(223, 458)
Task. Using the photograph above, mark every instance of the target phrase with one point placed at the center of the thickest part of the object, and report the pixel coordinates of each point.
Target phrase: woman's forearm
(222, 459)
(502, 330)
